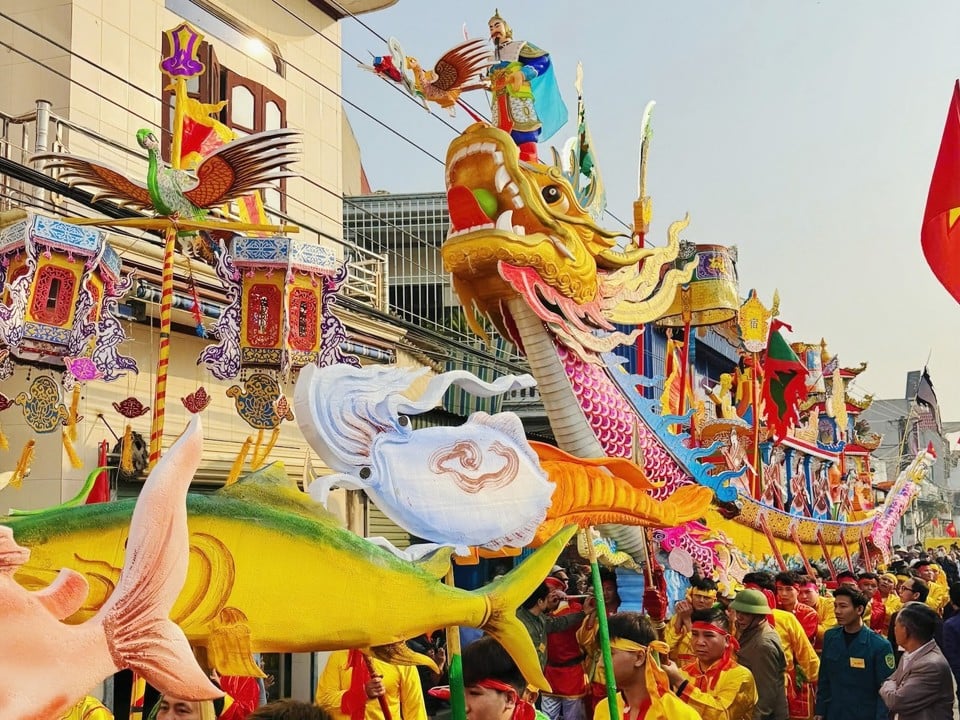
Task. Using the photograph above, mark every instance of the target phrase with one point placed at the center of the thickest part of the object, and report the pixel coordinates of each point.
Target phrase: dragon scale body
(614, 422)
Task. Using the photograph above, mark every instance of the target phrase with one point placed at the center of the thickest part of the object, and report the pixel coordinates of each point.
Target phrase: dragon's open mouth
(488, 197)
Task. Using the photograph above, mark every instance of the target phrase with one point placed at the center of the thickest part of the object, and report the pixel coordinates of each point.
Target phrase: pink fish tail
(135, 618)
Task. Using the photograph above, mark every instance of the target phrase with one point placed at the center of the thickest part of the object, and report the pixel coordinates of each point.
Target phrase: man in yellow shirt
(636, 655)
(930, 573)
(356, 687)
(810, 595)
(701, 596)
(89, 708)
(714, 684)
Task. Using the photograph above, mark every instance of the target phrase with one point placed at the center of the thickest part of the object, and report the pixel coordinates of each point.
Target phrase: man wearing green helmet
(761, 653)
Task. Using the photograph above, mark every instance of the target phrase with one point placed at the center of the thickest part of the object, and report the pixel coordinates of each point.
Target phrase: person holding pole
(636, 655)
(356, 687)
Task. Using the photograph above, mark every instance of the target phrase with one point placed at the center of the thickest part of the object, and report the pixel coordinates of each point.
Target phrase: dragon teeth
(501, 178)
(454, 233)
(505, 221)
(519, 229)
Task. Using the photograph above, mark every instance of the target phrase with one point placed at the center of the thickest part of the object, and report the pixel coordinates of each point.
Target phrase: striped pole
(163, 351)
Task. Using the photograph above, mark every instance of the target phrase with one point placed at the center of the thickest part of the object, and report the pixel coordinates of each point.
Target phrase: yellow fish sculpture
(272, 571)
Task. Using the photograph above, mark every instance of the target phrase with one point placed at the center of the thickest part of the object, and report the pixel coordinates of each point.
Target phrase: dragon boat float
(789, 464)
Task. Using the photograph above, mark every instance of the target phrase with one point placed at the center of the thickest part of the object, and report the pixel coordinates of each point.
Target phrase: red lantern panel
(263, 315)
(16, 270)
(303, 320)
(53, 296)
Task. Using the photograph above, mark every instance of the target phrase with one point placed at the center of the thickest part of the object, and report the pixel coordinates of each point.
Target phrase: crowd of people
(820, 646)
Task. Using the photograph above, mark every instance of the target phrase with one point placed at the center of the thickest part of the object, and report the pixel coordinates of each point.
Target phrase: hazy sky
(803, 132)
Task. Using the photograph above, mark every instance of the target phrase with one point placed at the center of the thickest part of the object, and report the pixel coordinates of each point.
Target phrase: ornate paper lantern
(279, 314)
(61, 283)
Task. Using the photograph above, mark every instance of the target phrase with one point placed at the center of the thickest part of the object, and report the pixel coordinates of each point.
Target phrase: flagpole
(642, 212)
(603, 630)
(755, 399)
(180, 91)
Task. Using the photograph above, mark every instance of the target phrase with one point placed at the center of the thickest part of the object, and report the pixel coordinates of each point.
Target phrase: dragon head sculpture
(517, 228)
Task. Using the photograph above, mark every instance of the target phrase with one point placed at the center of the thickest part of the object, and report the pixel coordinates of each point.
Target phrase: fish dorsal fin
(65, 595)
(437, 563)
(273, 487)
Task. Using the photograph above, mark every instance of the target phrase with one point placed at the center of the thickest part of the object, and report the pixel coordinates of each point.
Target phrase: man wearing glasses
(912, 589)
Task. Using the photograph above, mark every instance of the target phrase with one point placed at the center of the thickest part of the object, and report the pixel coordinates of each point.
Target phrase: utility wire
(358, 60)
(385, 41)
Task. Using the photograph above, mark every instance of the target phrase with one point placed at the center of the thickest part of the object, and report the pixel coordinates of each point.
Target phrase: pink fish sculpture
(47, 665)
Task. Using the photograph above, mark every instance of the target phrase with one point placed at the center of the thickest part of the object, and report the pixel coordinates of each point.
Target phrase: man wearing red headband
(788, 590)
(714, 684)
(493, 686)
(809, 594)
(702, 595)
(636, 655)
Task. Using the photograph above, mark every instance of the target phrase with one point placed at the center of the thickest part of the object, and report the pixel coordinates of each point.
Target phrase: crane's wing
(462, 63)
(106, 182)
(242, 166)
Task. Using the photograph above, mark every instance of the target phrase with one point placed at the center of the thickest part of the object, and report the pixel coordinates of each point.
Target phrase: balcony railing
(21, 136)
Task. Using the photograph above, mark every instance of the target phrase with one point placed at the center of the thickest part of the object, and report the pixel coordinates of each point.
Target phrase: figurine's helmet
(507, 31)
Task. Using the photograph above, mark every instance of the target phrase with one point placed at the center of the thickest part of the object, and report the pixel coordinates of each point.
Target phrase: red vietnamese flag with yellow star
(940, 233)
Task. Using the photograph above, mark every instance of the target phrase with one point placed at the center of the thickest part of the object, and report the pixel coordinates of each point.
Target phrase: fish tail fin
(135, 618)
(508, 593)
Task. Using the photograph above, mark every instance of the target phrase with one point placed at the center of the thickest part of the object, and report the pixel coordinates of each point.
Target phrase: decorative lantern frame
(61, 285)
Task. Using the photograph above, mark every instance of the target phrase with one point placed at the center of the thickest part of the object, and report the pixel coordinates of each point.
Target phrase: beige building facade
(95, 63)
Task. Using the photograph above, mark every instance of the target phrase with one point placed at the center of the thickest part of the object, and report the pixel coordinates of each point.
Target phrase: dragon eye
(551, 193)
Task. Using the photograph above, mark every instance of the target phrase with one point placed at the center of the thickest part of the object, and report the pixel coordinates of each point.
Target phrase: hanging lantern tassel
(23, 464)
(75, 460)
(4, 443)
(255, 460)
(72, 420)
(258, 459)
(238, 463)
(126, 454)
(197, 314)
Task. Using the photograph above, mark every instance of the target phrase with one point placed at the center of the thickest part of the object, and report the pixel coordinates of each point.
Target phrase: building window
(218, 23)
(251, 108)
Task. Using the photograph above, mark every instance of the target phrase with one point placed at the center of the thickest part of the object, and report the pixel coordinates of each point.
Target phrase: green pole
(603, 632)
(458, 705)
